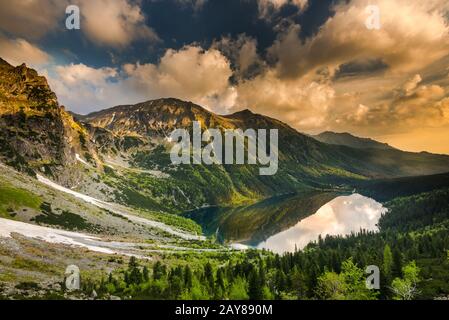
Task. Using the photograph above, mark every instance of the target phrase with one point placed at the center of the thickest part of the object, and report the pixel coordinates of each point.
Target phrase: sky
(374, 68)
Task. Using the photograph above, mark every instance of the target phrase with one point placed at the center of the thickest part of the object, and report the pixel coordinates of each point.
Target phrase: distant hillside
(387, 189)
(347, 139)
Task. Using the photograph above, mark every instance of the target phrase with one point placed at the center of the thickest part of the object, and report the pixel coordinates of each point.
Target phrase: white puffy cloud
(191, 73)
(409, 106)
(114, 23)
(300, 102)
(303, 89)
(247, 55)
(74, 74)
(402, 41)
(82, 88)
(411, 84)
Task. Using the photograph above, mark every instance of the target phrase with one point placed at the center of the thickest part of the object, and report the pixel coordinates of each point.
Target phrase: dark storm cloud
(361, 68)
(179, 25)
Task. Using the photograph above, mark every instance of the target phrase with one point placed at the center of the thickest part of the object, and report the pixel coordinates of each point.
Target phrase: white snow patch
(183, 194)
(69, 238)
(77, 156)
(114, 208)
(7, 227)
(112, 119)
(239, 246)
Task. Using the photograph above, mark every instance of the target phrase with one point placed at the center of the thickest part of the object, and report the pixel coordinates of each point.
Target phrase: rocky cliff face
(36, 134)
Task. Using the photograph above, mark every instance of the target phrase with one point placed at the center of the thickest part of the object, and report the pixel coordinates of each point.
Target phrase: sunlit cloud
(106, 23)
(114, 23)
(191, 73)
(18, 51)
(31, 19)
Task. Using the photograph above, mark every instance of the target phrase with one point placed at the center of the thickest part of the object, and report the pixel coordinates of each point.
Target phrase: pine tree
(133, 263)
(209, 276)
(187, 277)
(135, 276)
(255, 287)
(158, 271)
(387, 263)
(397, 263)
(145, 274)
(220, 279)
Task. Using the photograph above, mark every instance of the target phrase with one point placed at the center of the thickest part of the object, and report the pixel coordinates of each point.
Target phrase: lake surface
(341, 216)
(281, 223)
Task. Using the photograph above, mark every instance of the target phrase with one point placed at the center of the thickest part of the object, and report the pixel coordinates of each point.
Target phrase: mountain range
(121, 154)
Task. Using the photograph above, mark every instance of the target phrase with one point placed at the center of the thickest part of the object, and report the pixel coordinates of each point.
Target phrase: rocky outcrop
(36, 133)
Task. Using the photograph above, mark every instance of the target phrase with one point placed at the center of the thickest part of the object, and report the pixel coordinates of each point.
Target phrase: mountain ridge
(350, 140)
(122, 153)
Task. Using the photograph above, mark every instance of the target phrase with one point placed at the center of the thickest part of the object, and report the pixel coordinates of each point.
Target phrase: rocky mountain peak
(244, 113)
(22, 87)
(4, 63)
(36, 134)
(154, 118)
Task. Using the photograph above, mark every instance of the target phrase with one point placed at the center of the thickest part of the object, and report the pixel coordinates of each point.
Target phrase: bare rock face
(24, 84)
(155, 118)
(36, 134)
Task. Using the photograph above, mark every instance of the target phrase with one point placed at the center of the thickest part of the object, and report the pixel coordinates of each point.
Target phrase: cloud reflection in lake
(341, 216)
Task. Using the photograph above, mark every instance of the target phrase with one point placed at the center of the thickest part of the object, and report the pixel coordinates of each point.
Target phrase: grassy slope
(54, 208)
(12, 199)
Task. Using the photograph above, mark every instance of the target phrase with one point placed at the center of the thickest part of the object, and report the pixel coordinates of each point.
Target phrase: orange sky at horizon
(434, 140)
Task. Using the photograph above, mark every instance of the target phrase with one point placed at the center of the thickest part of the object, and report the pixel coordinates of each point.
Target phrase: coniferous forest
(411, 251)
